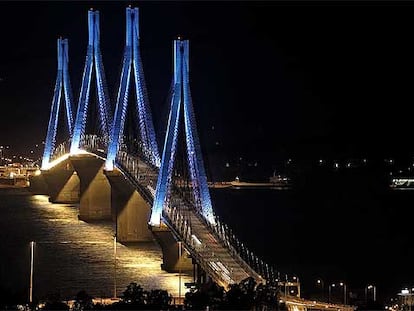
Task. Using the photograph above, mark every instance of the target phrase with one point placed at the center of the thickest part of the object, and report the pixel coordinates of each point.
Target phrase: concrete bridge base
(62, 182)
(95, 190)
(130, 211)
(172, 262)
(37, 184)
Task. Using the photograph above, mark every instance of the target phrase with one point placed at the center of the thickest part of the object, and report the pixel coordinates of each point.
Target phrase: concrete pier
(171, 261)
(62, 182)
(131, 211)
(95, 190)
(37, 184)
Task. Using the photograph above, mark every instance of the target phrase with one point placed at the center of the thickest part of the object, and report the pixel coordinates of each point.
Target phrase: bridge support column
(37, 184)
(171, 261)
(95, 190)
(62, 183)
(130, 211)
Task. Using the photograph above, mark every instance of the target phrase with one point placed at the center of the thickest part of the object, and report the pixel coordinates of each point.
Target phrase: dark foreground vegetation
(247, 295)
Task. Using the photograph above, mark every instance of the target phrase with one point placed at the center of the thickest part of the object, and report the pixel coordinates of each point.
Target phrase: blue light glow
(62, 82)
(93, 58)
(198, 178)
(147, 133)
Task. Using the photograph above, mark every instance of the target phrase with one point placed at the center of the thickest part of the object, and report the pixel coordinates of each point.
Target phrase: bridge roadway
(220, 260)
(210, 248)
(217, 257)
(212, 251)
(294, 303)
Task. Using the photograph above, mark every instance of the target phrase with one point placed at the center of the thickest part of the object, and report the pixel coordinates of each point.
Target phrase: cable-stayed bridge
(112, 166)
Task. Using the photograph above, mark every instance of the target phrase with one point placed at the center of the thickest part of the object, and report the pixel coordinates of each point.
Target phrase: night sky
(271, 79)
(297, 77)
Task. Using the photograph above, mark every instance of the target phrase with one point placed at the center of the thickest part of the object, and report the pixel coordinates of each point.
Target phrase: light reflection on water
(70, 254)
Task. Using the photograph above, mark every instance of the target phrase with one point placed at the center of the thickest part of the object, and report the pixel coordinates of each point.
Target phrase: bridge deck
(222, 263)
(216, 255)
(219, 260)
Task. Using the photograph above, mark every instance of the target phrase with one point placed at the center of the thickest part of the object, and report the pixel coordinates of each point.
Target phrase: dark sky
(296, 76)
(298, 79)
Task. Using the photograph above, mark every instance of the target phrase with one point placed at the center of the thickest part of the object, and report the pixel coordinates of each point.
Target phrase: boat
(402, 183)
(279, 180)
(238, 184)
(219, 184)
(275, 182)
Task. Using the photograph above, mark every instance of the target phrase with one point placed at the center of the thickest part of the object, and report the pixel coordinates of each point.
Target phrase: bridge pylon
(132, 62)
(181, 99)
(62, 85)
(93, 60)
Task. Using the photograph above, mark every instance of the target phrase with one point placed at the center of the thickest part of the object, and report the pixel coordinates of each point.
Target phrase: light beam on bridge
(132, 62)
(93, 58)
(182, 95)
(62, 84)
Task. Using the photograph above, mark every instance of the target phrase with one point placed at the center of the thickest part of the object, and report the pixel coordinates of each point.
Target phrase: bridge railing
(60, 150)
(180, 223)
(143, 176)
(94, 143)
(250, 262)
(245, 257)
(241, 252)
(139, 151)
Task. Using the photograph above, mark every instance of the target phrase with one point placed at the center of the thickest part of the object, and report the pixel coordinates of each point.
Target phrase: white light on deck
(109, 166)
(196, 239)
(76, 151)
(55, 162)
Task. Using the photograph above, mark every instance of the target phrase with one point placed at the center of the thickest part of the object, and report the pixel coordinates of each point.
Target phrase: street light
(286, 281)
(179, 269)
(297, 284)
(320, 283)
(115, 265)
(31, 271)
(407, 297)
(344, 286)
(374, 292)
(329, 293)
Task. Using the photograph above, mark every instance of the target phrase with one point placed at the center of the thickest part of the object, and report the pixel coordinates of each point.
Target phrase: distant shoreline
(14, 190)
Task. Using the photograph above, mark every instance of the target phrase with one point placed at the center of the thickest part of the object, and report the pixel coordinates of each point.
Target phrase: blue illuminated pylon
(93, 59)
(182, 94)
(62, 84)
(132, 62)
